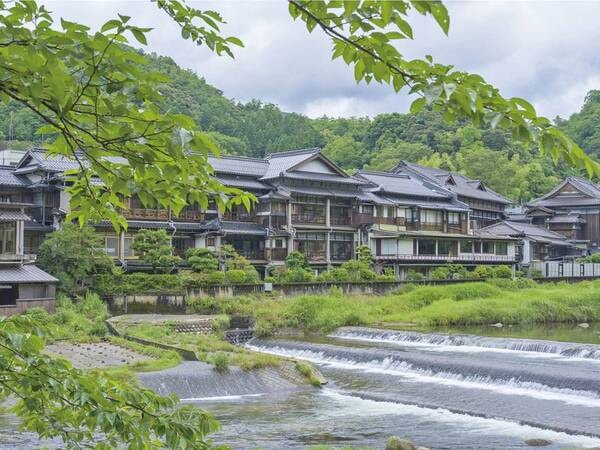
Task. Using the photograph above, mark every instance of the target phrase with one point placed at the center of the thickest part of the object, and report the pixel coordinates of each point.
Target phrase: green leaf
(417, 105)
(139, 36)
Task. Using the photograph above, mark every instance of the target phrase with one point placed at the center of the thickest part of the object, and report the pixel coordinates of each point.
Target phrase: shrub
(74, 255)
(536, 273)
(138, 283)
(201, 260)
(413, 275)
(203, 305)
(481, 272)
(216, 277)
(154, 248)
(296, 260)
(440, 273)
(220, 323)
(501, 272)
(221, 362)
(595, 258)
(235, 276)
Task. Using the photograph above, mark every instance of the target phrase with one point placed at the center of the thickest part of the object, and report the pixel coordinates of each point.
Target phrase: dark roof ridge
(238, 157)
(385, 174)
(293, 152)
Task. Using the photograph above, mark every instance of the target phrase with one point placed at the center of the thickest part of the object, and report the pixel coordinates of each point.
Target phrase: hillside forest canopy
(256, 129)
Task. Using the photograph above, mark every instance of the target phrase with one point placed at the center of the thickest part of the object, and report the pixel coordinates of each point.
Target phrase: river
(440, 390)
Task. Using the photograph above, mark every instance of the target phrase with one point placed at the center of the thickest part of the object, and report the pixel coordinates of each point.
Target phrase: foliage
(100, 103)
(235, 276)
(296, 260)
(501, 272)
(413, 275)
(481, 272)
(221, 362)
(364, 254)
(201, 260)
(308, 371)
(363, 34)
(470, 303)
(594, 258)
(154, 247)
(55, 399)
(440, 273)
(73, 255)
(138, 283)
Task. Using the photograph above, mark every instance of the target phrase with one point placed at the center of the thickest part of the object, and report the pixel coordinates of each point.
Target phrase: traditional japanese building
(486, 206)
(571, 209)
(305, 203)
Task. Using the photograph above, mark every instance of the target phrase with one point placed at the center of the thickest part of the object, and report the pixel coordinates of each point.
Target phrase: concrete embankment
(199, 380)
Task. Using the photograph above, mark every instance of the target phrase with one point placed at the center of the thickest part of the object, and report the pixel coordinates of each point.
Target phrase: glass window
(111, 244)
(501, 248)
(426, 247)
(466, 246)
(453, 218)
(430, 216)
(447, 248)
(367, 209)
(128, 251)
(278, 243)
(210, 241)
(408, 212)
(487, 247)
(477, 246)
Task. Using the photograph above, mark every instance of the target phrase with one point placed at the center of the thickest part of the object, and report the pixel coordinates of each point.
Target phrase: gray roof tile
(25, 274)
(402, 184)
(239, 165)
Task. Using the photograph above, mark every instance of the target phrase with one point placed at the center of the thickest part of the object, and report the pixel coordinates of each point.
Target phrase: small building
(22, 284)
(537, 242)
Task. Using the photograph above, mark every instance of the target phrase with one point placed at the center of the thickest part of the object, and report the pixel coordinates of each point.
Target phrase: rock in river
(538, 442)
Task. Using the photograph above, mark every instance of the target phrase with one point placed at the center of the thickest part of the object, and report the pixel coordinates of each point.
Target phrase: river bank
(495, 301)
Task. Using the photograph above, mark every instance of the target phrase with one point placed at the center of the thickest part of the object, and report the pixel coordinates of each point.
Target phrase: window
(487, 247)
(501, 248)
(127, 250)
(466, 247)
(477, 247)
(367, 209)
(111, 245)
(453, 218)
(210, 241)
(426, 247)
(430, 216)
(278, 243)
(449, 248)
(408, 212)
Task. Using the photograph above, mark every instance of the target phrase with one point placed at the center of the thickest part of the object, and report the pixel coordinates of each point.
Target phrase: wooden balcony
(362, 218)
(341, 220)
(278, 254)
(190, 215)
(308, 219)
(142, 213)
(431, 226)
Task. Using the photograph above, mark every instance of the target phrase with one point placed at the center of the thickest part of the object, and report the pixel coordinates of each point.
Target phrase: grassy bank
(506, 301)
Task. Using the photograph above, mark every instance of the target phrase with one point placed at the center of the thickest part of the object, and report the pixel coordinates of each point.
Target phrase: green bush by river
(510, 302)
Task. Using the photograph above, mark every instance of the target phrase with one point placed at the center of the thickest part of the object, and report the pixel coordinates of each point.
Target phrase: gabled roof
(40, 159)
(404, 184)
(586, 193)
(534, 232)
(453, 181)
(285, 163)
(239, 165)
(9, 178)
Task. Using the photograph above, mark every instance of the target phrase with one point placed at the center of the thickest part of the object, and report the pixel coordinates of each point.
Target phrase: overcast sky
(544, 51)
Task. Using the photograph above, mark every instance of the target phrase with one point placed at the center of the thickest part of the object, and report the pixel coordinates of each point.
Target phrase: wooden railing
(278, 254)
(362, 218)
(307, 218)
(142, 213)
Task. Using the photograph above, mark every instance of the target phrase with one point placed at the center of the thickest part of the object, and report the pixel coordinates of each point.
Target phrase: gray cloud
(542, 51)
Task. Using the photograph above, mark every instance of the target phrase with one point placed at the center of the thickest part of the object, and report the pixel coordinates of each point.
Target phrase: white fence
(555, 269)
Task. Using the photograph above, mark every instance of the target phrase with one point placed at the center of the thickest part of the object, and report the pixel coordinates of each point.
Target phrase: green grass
(160, 359)
(205, 346)
(480, 303)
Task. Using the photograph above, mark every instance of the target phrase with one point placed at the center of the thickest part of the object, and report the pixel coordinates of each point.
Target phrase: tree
(73, 255)
(56, 400)
(155, 248)
(201, 260)
(392, 153)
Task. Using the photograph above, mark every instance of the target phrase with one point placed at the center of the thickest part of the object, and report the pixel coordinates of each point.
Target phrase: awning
(11, 216)
(25, 274)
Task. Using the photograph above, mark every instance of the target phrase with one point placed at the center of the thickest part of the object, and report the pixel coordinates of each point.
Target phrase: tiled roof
(314, 176)
(157, 225)
(462, 185)
(9, 178)
(242, 182)
(239, 165)
(570, 218)
(25, 274)
(246, 228)
(534, 232)
(11, 215)
(281, 162)
(586, 187)
(48, 162)
(401, 184)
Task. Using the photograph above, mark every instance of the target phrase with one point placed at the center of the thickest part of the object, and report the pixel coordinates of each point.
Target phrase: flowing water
(440, 390)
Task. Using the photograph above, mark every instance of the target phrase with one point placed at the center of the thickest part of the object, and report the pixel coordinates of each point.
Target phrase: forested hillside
(256, 129)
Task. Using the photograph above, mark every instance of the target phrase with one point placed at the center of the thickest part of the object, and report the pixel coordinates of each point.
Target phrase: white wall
(315, 166)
